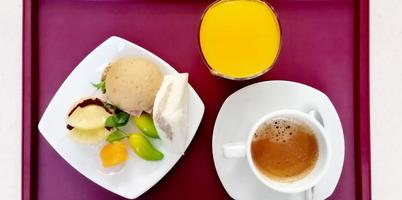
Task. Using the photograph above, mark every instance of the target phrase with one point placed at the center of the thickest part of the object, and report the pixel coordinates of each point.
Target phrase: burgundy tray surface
(325, 45)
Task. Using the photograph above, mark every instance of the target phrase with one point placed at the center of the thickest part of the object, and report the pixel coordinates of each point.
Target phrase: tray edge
(362, 102)
(28, 112)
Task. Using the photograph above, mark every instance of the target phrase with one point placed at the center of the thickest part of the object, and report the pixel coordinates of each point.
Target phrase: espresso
(284, 149)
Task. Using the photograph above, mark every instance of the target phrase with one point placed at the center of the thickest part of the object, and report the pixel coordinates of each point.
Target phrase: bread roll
(132, 83)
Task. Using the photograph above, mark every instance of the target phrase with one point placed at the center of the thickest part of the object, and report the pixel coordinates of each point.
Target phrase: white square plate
(138, 175)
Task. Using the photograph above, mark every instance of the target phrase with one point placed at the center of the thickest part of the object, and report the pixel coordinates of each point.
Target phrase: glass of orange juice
(239, 39)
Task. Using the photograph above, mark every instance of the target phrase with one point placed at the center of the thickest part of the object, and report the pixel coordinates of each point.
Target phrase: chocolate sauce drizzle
(87, 102)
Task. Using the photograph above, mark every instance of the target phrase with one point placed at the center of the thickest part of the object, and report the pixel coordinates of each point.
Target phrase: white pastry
(170, 112)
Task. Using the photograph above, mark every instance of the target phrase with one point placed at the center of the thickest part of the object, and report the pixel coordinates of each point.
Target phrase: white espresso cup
(305, 184)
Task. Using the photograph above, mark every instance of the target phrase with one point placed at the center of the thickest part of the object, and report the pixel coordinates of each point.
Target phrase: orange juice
(240, 39)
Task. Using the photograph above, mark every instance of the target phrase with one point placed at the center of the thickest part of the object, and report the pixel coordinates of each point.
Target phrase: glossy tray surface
(325, 45)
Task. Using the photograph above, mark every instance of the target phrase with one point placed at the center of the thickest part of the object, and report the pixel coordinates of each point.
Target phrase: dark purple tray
(325, 45)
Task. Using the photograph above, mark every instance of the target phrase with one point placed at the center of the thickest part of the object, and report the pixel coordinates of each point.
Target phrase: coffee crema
(284, 149)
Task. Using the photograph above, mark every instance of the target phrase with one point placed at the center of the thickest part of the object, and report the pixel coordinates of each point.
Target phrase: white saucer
(243, 108)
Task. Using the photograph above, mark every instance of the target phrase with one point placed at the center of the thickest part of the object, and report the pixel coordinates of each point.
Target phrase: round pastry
(132, 84)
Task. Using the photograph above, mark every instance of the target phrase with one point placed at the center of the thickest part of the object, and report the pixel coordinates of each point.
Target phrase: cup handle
(309, 194)
(234, 150)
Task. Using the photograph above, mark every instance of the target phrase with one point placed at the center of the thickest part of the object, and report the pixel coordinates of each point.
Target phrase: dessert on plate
(133, 87)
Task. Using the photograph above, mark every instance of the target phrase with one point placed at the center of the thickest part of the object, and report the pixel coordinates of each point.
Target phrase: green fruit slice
(143, 148)
(145, 123)
(93, 136)
(88, 117)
